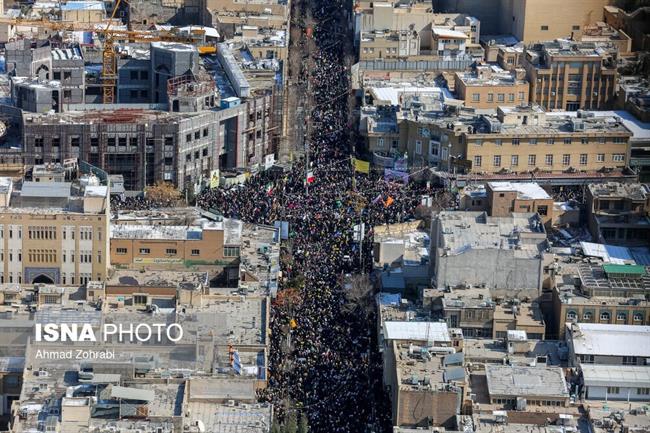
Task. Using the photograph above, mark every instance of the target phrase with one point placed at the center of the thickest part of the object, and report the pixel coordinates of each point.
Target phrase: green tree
(303, 426)
(275, 427)
(291, 423)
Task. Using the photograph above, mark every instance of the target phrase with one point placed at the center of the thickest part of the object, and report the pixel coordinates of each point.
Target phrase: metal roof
(454, 374)
(610, 340)
(127, 393)
(454, 358)
(12, 364)
(46, 189)
(616, 375)
(625, 269)
(417, 331)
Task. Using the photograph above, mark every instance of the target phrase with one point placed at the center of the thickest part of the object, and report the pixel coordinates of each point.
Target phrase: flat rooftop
(520, 381)
(610, 340)
(416, 331)
(490, 76)
(418, 369)
(237, 418)
(162, 232)
(131, 277)
(524, 190)
(633, 191)
(616, 375)
(462, 231)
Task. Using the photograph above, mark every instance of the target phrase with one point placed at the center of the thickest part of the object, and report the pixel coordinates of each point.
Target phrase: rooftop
(419, 369)
(416, 331)
(616, 375)
(462, 231)
(489, 75)
(610, 340)
(524, 190)
(633, 191)
(520, 381)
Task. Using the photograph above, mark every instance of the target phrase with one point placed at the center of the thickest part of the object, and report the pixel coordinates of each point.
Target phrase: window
(575, 28)
(121, 251)
(544, 28)
(196, 252)
(511, 97)
(643, 391)
(583, 159)
(476, 97)
(602, 140)
(490, 97)
(522, 96)
(498, 142)
(188, 138)
(618, 140)
(501, 97)
(621, 316)
(133, 75)
(613, 390)
(550, 141)
(638, 317)
(140, 299)
(205, 132)
(418, 147)
(629, 360)
(171, 251)
(477, 161)
(514, 160)
(605, 316)
(548, 159)
(587, 316)
(515, 142)
(587, 359)
(532, 159)
(478, 142)
(144, 75)
(571, 315)
(497, 160)
(584, 140)
(145, 251)
(566, 159)
(197, 135)
(618, 157)
(231, 251)
(600, 157)
(532, 141)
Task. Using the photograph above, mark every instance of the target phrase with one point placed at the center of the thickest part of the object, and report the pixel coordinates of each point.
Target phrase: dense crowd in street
(326, 366)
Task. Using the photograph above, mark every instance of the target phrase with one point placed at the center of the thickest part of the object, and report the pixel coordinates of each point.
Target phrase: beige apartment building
(491, 86)
(519, 139)
(53, 232)
(569, 75)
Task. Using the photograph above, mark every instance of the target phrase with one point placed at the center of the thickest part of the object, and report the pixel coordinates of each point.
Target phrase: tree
(359, 295)
(162, 194)
(303, 426)
(275, 427)
(291, 423)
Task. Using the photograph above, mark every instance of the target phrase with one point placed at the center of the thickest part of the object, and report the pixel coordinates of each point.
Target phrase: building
(619, 213)
(466, 247)
(502, 198)
(518, 387)
(475, 311)
(528, 20)
(518, 141)
(491, 86)
(606, 382)
(86, 11)
(607, 344)
(569, 75)
(55, 232)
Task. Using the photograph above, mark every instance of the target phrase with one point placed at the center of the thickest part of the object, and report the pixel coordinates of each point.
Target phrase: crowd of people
(322, 359)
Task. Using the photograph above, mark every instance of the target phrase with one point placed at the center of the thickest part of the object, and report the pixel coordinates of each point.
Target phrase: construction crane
(111, 35)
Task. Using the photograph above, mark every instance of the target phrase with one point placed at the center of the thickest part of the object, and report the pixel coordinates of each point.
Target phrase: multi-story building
(508, 385)
(607, 344)
(466, 247)
(54, 232)
(517, 140)
(569, 75)
(619, 213)
(530, 20)
(491, 86)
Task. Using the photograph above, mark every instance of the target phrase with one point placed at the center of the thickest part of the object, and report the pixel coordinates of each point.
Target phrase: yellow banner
(156, 261)
(214, 179)
(361, 166)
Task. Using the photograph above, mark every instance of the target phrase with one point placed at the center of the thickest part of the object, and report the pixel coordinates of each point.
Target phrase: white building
(605, 344)
(606, 382)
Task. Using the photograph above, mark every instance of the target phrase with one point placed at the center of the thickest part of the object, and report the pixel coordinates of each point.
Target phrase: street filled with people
(323, 359)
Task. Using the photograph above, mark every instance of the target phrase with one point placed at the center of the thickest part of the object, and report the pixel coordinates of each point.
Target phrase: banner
(361, 166)
(390, 175)
(401, 164)
(214, 179)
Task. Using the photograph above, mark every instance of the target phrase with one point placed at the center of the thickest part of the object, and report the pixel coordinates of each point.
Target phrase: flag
(388, 201)
(269, 188)
(236, 362)
(310, 177)
(361, 166)
(293, 323)
(378, 199)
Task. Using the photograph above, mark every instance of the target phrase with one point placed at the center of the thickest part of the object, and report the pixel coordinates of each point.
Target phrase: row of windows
(548, 159)
(501, 97)
(146, 251)
(551, 140)
(231, 251)
(587, 315)
(19, 232)
(512, 401)
(617, 390)
(12, 279)
(196, 135)
(44, 233)
(188, 156)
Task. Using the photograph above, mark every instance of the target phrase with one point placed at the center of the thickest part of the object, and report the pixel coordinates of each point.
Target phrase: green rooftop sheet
(624, 269)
